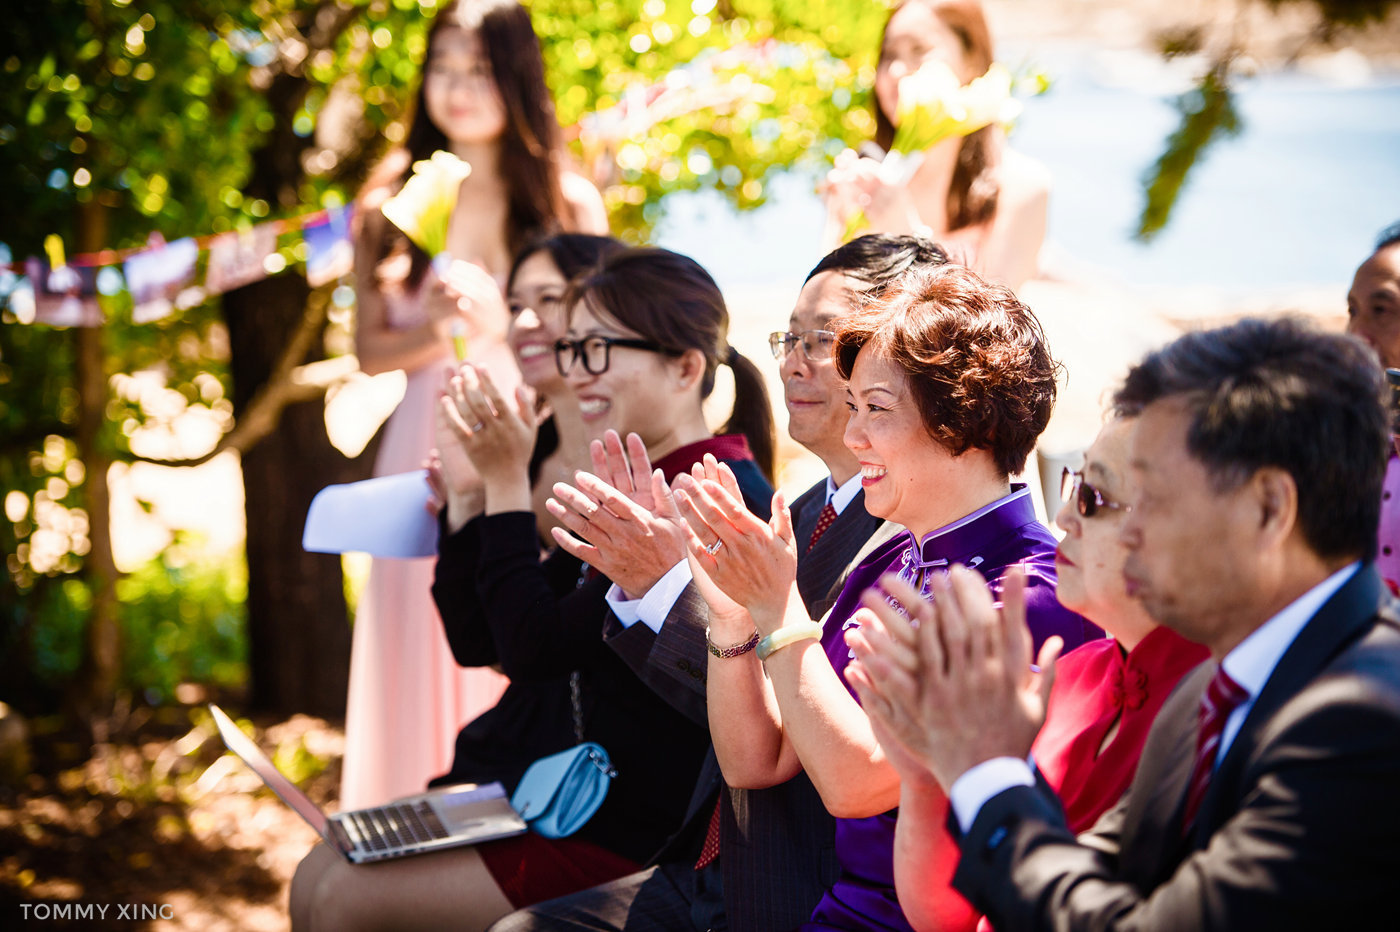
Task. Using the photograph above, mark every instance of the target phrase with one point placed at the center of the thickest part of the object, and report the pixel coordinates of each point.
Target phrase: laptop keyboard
(397, 825)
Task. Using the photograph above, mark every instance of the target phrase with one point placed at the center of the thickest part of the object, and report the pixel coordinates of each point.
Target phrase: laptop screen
(253, 756)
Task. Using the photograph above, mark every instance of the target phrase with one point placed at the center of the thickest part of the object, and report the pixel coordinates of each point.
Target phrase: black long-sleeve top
(501, 605)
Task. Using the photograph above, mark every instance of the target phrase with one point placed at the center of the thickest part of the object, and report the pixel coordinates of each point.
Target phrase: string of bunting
(162, 277)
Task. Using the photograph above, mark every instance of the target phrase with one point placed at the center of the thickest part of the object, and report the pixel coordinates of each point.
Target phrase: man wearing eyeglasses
(751, 859)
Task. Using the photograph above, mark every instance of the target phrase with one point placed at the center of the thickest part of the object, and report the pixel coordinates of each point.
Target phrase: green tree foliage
(792, 91)
(120, 119)
(1207, 113)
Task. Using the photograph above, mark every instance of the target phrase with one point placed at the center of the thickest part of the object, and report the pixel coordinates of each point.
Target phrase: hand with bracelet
(751, 562)
(731, 632)
(775, 714)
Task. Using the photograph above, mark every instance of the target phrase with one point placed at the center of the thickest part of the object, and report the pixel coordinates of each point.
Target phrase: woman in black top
(647, 332)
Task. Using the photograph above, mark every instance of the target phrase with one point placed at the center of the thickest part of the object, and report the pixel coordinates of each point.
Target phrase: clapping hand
(621, 518)
(451, 475)
(496, 436)
(949, 682)
(752, 562)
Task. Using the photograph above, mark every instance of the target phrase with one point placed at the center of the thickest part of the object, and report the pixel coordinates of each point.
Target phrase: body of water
(1295, 199)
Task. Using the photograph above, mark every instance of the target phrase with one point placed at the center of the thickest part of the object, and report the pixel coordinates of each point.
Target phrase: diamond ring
(714, 548)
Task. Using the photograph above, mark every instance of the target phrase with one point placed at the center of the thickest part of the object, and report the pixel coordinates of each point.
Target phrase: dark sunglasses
(816, 344)
(1087, 499)
(596, 352)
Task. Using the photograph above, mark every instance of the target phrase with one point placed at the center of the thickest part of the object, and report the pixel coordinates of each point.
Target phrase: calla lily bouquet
(934, 106)
(424, 205)
(423, 208)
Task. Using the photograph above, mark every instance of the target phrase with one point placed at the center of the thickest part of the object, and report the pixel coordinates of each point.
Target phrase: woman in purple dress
(950, 384)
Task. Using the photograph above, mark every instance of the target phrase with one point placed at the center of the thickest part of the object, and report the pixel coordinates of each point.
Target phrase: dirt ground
(157, 821)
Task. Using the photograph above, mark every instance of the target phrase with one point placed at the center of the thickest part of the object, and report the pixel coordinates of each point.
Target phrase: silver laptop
(441, 818)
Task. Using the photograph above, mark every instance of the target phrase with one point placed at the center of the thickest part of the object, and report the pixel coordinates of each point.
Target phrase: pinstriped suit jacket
(777, 845)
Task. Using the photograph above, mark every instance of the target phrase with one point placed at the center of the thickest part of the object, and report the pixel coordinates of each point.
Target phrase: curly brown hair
(975, 357)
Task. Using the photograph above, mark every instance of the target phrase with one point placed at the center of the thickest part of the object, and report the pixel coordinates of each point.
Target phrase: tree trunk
(101, 665)
(96, 683)
(298, 631)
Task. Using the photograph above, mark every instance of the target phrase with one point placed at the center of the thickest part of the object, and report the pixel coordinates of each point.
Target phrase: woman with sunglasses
(647, 332)
(1102, 704)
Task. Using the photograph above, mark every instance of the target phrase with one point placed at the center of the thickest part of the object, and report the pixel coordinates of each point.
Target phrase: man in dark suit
(770, 852)
(1265, 797)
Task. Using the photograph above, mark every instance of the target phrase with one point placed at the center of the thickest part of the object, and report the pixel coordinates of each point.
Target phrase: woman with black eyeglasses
(646, 333)
(1105, 696)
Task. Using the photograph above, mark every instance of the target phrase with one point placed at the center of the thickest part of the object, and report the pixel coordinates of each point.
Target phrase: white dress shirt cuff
(971, 791)
(655, 604)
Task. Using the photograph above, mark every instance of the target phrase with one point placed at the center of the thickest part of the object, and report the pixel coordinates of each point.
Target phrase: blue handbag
(559, 793)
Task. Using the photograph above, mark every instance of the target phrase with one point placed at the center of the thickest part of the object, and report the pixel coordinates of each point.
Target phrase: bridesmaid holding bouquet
(482, 100)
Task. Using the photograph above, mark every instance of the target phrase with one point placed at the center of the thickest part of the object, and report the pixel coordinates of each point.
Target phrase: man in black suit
(775, 850)
(1265, 797)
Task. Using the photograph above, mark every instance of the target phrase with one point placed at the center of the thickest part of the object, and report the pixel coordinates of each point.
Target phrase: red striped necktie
(1221, 697)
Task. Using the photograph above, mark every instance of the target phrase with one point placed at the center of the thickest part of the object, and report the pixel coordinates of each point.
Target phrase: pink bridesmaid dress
(408, 698)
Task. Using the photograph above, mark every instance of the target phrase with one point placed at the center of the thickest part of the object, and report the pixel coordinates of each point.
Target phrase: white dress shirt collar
(839, 498)
(1252, 661)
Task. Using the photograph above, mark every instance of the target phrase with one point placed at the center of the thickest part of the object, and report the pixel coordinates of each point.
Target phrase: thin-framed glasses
(816, 344)
(596, 352)
(1087, 499)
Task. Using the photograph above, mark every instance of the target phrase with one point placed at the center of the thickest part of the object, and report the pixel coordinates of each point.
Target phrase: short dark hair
(877, 259)
(975, 357)
(1388, 237)
(1278, 393)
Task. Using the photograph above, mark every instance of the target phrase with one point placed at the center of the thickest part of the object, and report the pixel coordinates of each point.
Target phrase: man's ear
(1276, 496)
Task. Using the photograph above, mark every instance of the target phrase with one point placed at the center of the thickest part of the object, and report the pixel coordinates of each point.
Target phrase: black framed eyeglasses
(596, 352)
(1087, 499)
(816, 344)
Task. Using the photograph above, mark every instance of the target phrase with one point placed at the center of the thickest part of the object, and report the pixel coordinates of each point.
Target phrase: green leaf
(1207, 114)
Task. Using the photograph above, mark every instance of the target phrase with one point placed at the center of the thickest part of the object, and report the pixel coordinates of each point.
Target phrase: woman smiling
(950, 384)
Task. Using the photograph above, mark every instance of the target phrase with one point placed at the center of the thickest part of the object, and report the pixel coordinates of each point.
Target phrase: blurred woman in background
(483, 98)
(982, 201)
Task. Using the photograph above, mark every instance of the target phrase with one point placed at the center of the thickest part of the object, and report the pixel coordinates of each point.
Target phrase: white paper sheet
(384, 517)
